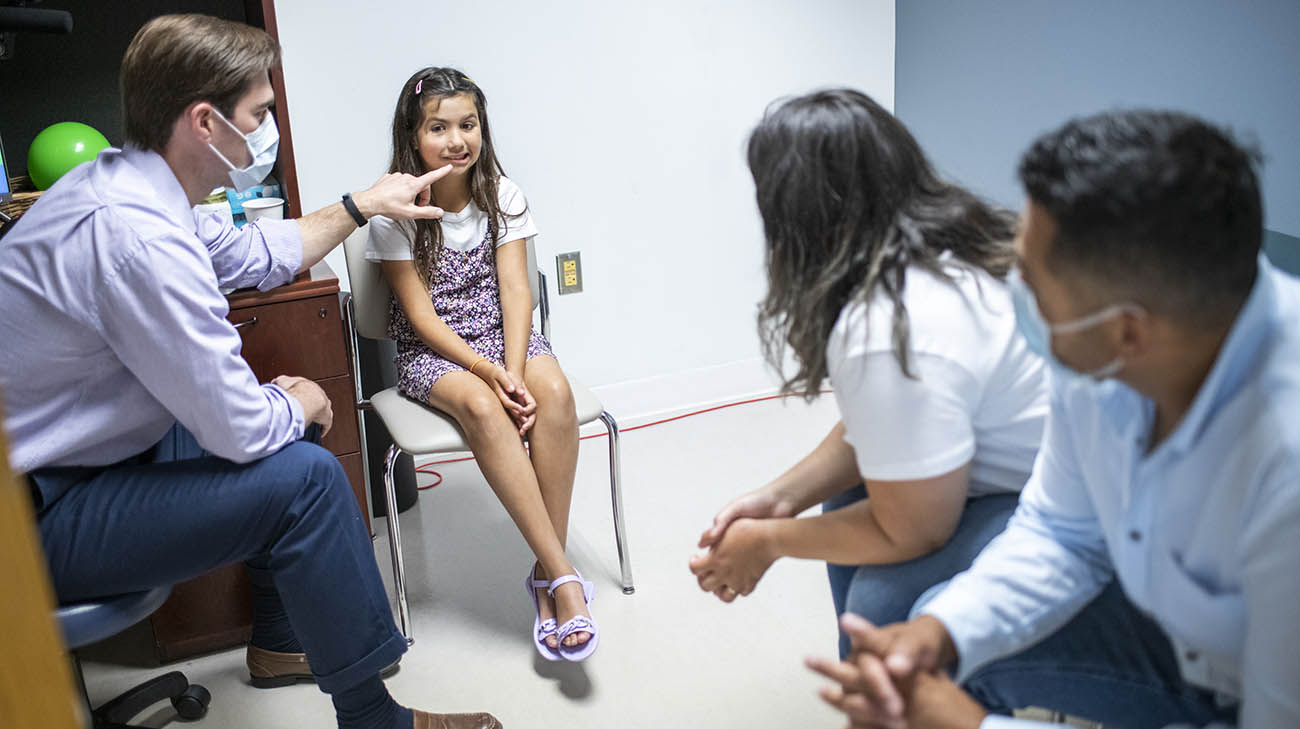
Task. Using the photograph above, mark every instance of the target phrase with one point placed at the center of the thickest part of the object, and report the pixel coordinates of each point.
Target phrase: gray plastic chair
(422, 430)
(89, 621)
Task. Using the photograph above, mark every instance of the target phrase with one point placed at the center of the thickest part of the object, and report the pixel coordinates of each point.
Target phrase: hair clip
(467, 79)
(419, 85)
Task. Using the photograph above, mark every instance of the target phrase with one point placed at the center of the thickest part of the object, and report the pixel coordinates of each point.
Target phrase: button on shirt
(113, 325)
(1203, 531)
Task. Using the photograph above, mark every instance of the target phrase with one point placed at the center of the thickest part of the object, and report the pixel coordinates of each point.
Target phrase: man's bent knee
(301, 468)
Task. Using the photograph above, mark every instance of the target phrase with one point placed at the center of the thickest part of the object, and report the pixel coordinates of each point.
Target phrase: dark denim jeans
(176, 512)
(885, 593)
(1109, 664)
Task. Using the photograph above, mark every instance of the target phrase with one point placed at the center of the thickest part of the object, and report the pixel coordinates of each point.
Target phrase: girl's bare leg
(494, 440)
(554, 450)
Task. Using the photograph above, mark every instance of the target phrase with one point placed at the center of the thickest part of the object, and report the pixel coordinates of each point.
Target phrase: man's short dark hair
(176, 60)
(1159, 207)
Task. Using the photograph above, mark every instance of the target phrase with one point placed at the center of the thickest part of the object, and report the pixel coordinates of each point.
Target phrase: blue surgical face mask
(1038, 332)
(263, 146)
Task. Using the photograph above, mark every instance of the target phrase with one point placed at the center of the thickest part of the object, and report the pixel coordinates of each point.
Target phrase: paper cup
(264, 207)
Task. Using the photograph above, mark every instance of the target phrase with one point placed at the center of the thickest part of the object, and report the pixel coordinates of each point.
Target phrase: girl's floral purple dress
(467, 298)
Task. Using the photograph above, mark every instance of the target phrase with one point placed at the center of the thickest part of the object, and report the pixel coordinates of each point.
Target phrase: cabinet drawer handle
(248, 323)
(324, 312)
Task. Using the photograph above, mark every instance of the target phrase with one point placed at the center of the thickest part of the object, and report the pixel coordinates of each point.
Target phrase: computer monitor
(5, 192)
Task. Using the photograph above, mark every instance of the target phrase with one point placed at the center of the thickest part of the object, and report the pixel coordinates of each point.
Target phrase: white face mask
(263, 146)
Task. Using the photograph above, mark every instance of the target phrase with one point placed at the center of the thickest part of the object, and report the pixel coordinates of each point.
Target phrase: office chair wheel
(193, 703)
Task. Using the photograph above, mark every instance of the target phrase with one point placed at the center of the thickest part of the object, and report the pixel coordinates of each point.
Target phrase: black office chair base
(190, 701)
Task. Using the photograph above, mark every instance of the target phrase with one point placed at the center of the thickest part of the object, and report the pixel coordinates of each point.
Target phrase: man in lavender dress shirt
(154, 453)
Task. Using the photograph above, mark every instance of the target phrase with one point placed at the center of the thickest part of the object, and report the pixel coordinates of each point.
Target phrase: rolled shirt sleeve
(266, 253)
(161, 313)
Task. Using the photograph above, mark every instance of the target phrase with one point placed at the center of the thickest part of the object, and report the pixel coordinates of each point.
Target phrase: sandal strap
(546, 629)
(577, 624)
(532, 578)
(564, 580)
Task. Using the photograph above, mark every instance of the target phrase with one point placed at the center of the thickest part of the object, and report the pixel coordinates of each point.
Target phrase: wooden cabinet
(291, 330)
(298, 330)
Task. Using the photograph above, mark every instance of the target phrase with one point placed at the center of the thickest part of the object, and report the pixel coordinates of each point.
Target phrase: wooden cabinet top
(318, 281)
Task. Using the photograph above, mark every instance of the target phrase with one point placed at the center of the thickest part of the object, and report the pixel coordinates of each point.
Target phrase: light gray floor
(670, 656)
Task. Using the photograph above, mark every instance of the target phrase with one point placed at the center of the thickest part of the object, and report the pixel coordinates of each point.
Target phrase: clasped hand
(739, 547)
(733, 565)
(512, 393)
(894, 678)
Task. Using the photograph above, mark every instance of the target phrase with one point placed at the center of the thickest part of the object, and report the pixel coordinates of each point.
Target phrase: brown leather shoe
(481, 720)
(270, 669)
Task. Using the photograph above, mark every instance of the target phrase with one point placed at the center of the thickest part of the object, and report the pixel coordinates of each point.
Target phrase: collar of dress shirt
(1246, 340)
(171, 196)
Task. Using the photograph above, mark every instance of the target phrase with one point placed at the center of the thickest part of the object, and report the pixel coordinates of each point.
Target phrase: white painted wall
(625, 125)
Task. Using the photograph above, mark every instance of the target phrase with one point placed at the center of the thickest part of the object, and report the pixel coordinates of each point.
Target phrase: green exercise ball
(59, 148)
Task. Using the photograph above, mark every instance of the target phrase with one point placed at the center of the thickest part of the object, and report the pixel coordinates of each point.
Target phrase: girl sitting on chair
(462, 320)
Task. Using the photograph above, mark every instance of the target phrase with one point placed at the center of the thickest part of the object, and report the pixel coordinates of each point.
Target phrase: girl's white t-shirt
(980, 395)
(390, 240)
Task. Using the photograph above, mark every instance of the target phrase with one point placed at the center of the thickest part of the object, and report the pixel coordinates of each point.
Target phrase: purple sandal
(578, 623)
(542, 629)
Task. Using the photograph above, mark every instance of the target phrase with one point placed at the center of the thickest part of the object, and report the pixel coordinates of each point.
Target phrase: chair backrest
(370, 292)
(533, 282)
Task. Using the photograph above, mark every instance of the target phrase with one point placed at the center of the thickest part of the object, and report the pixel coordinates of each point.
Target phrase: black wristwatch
(351, 206)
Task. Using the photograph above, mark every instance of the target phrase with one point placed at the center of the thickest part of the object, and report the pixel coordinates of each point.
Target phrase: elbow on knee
(917, 543)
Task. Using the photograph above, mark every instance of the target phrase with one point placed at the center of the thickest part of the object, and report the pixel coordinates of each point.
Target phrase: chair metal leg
(544, 304)
(395, 544)
(361, 404)
(616, 495)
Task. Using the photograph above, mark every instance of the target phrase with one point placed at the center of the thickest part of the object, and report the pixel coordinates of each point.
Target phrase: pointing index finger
(415, 212)
(433, 176)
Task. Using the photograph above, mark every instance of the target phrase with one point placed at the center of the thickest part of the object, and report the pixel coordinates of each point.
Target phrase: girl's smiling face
(450, 133)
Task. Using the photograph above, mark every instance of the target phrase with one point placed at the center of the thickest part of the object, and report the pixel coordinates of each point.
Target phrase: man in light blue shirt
(153, 452)
(1171, 462)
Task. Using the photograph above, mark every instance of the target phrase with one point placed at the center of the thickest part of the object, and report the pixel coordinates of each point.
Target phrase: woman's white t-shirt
(980, 395)
(390, 240)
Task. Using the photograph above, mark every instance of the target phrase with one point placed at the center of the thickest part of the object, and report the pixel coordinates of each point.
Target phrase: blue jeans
(176, 512)
(885, 593)
(1109, 664)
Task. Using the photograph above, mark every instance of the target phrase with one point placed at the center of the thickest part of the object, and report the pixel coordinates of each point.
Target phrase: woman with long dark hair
(889, 282)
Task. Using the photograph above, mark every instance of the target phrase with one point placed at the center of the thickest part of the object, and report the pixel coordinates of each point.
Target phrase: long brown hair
(850, 203)
(440, 83)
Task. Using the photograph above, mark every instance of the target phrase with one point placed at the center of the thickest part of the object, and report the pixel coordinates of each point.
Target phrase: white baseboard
(637, 402)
